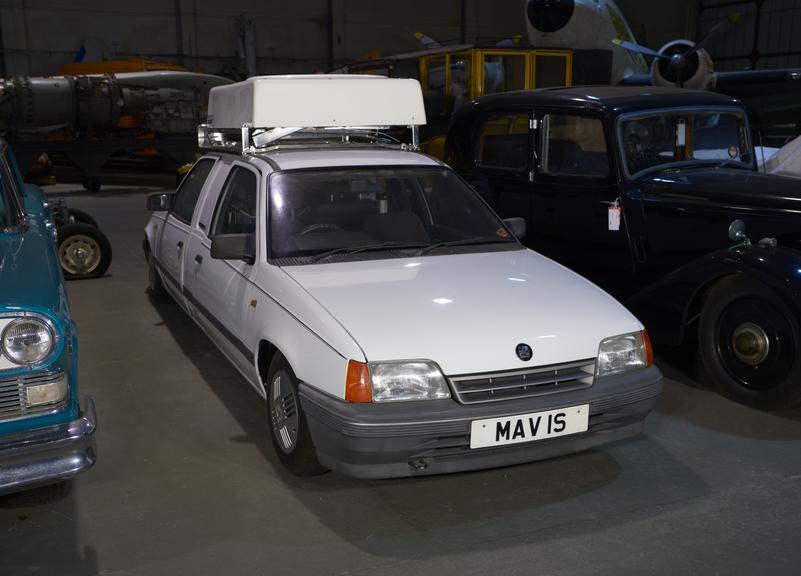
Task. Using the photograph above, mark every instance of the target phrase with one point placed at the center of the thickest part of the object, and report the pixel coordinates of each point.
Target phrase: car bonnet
(467, 312)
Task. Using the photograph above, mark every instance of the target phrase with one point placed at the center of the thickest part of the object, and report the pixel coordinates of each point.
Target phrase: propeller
(676, 60)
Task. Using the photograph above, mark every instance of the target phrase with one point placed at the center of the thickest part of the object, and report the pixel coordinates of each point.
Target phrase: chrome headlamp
(28, 340)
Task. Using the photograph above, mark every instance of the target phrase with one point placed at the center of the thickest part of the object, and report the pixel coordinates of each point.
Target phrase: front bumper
(47, 455)
(433, 437)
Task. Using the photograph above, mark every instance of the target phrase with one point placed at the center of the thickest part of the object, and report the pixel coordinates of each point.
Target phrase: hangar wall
(38, 36)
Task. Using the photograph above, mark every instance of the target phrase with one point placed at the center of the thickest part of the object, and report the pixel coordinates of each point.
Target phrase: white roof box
(316, 100)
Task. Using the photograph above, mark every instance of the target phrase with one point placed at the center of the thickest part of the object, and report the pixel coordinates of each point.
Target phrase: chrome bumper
(47, 455)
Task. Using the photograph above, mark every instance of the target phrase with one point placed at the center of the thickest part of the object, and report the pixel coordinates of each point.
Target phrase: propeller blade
(631, 46)
(427, 41)
(715, 32)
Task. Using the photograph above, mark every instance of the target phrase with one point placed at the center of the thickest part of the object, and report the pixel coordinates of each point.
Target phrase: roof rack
(265, 112)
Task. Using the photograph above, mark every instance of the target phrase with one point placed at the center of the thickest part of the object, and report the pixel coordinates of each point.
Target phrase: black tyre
(83, 251)
(91, 183)
(155, 285)
(749, 341)
(81, 217)
(288, 428)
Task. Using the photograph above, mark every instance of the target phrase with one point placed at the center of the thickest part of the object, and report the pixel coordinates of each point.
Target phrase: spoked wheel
(83, 251)
(749, 344)
(289, 431)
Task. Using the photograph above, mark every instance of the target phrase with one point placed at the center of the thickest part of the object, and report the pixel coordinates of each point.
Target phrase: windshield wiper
(390, 245)
(475, 241)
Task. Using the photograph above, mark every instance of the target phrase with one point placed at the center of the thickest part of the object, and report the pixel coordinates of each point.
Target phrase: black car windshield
(375, 212)
(664, 140)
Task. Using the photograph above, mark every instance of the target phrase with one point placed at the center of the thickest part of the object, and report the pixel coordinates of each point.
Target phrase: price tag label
(614, 217)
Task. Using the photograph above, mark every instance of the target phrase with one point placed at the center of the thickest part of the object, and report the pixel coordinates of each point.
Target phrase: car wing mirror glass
(160, 202)
(518, 226)
(737, 231)
(234, 247)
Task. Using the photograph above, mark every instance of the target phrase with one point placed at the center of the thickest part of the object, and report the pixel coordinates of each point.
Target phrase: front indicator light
(49, 393)
(357, 383)
(624, 353)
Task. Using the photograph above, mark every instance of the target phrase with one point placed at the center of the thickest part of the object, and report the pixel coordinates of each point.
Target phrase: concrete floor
(187, 481)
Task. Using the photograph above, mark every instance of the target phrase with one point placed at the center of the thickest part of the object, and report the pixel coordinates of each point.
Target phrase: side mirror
(234, 247)
(518, 226)
(160, 202)
(737, 231)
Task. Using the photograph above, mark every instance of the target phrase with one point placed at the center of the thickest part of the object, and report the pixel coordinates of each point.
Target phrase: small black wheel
(155, 285)
(83, 251)
(91, 183)
(749, 344)
(288, 428)
(81, 217)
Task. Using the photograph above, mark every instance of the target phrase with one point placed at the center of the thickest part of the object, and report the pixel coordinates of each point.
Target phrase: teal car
(46, 435)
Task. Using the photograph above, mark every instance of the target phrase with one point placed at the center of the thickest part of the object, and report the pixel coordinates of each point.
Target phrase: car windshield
(8, 211)
(378, 211)
(662, 140)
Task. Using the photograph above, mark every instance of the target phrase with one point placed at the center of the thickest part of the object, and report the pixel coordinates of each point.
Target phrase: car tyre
(288, 428)
(83, 251)
(749, 340)
(81, 217)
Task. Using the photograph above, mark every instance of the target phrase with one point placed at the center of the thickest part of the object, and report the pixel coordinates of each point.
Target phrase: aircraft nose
(549, 15)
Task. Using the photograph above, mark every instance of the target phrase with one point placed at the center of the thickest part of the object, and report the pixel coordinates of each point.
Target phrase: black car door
(576, 189)
(502, 171)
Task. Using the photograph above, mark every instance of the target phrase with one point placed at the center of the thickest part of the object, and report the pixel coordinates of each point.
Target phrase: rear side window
(189, 191)
(575, 146)
(236, 209)
(504, 142)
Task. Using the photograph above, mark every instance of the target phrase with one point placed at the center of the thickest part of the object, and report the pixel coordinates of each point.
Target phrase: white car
(393, 323)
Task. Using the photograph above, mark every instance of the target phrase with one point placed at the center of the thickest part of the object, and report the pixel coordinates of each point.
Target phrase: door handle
(180, 243)
(198, 258)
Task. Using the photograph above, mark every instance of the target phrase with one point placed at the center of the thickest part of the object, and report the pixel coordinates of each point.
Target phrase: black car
(637, 188)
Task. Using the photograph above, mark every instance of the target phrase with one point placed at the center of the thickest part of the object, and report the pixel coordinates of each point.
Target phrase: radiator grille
(14, 395)
(498, 386)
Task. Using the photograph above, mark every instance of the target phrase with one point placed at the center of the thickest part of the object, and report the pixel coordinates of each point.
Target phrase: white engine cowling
(696, 72)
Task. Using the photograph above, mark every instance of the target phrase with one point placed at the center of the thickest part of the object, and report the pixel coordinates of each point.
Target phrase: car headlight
(395, 381)
(623, 353)
(27, 341)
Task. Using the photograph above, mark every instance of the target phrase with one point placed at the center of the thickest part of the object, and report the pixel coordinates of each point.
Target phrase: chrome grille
(498, 386)
(14, 395)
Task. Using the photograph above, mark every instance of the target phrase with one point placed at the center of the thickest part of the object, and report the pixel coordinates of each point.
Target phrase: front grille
(14, 395)
(498, 386)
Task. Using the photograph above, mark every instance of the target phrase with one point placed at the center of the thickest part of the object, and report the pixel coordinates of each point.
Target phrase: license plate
(529, 427)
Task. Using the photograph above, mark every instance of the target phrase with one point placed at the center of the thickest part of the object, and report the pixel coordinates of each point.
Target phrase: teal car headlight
(28, 340)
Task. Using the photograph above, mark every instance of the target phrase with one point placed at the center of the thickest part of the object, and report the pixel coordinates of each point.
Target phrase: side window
(575, 146)
(236, 208)
(189, 191)
(504, 142)
(504, 72)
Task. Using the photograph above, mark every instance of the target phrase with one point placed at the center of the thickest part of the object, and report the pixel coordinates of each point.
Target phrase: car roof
(343, 156)
(609, 99)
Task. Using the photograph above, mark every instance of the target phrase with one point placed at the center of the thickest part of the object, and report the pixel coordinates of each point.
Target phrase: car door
(218, 291)
(575, 187)
(503, 164)
(170, 249)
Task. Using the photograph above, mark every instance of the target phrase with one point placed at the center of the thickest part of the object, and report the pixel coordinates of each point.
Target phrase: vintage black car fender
(673, 303)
